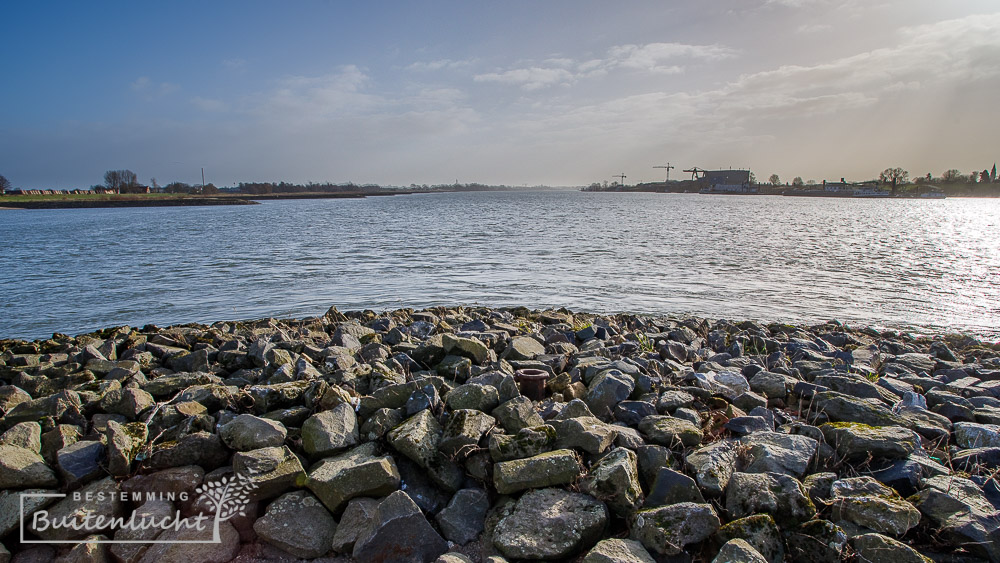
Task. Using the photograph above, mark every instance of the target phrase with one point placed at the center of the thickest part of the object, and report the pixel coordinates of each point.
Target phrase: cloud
(148, 90)
(234, 64)
(528, 78)
(808, 28)
(209, 105)
(441, 64)
(655, 58)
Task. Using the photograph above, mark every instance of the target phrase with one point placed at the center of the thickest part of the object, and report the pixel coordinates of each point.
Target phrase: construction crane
(694, 172)
(669, 168)
(622, 176)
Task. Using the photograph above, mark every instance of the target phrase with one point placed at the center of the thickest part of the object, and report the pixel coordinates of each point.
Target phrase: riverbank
(37, 202)
(405, 435)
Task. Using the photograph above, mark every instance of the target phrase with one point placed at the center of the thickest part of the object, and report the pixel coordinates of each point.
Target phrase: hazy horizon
(557, 93)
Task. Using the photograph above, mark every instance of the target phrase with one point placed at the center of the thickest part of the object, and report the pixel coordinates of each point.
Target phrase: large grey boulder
(398, 531)
(760, 531)
(330, 431)
(463, 431)
(738, 551)
(356, 473)
(558, 467)
(299, 524)
(462, 520)
(471, 348)
(616, 550)
(417, 438)
(607, 389)
(667, 529)
(21, 467)
(776, 452)
(516, 414)
(615, 479)
(713, 465)
(859, 441)
(477, 396)
(203, 449)
(27, 435)
(523, 348)
(550, 524)
(586, 433)
(876, 548)
(868, 503)
(81, 461)
(670, 432)
(527, 442)
(353, 522)
(844, 408)
(973, 435)
(271, 470)
(124, 442)
(729, 384)
(779, 495)
(248, 432)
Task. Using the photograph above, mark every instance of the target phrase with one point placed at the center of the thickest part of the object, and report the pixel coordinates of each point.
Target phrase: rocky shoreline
(405, 436)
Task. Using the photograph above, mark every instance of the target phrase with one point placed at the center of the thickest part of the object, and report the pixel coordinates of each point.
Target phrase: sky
(515, 92)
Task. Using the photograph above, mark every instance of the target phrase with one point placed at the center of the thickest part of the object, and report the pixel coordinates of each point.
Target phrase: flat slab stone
(557, 467)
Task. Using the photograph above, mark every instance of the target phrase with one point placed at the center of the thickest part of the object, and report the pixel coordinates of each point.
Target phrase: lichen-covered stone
(516, 414)
(463, 431)
(876, 548)
(417, 438)
(670, 432)
(558, 467)
(526, 442)
(816, 540)
(331, 431)
(355, 473)
(668, 529)
(477, 396)
(760, 531)
(550, 524)
(586, 433)
(776, 452)
(272, 470)
(781, 496)
(616, 550)
(855, 441)
(615, 480)
(713, 465)
(21, 467)
(738, 551)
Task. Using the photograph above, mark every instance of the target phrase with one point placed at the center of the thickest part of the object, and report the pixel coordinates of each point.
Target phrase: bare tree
(952, 175)
(5, 185)
(797, 181)
(116, 180)
(774, 180)
(893, 176)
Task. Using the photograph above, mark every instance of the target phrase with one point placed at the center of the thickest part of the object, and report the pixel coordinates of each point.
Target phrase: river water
(930, 265)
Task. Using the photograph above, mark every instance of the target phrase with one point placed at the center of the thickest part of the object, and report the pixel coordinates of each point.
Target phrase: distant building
(727, 181)
(136, 189)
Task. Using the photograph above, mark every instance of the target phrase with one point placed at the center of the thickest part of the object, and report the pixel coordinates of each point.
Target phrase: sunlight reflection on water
(907, 263)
